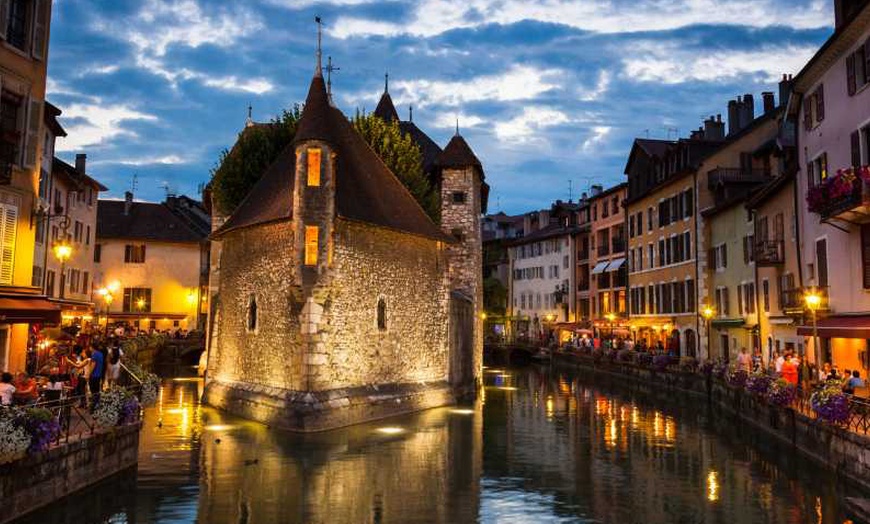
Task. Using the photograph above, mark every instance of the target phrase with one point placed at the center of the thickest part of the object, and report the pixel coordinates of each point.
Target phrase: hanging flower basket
(758, 383)
(736, 378)
(781, 393)
(831, 405)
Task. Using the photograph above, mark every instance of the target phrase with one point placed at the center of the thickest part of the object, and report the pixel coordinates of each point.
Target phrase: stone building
(339, 300)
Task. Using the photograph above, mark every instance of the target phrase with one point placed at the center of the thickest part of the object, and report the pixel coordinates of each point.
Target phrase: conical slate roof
(365, 189)
(386, 110)
(458, 154)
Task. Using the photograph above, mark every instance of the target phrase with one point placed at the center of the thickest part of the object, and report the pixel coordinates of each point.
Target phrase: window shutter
(822, 262)
(820, 103)
(867, 61)
(34, 117)
(850, 74)
(4, 17)
(40, 29)
(810, 181)
(865, 254)
(8, 227)
(855, 139)
(726, 310)
(724, 255)
(739, 300)
(690, 205)
(808, 112)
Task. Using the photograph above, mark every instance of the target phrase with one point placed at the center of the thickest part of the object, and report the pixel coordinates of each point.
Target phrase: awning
(600, 267)
(727, 322)
(25, 310)
(145, 314)
(781, 321)
(840, 327)
(615, 264)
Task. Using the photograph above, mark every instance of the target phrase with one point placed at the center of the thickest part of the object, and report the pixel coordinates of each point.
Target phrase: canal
(540, 446)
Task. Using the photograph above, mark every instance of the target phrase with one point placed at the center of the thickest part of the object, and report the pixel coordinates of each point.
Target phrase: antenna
(386, 82)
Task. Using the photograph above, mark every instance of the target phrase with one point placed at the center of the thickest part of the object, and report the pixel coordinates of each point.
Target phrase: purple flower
(758, 383)
(781, 393)
(737, 378)
(830, 405)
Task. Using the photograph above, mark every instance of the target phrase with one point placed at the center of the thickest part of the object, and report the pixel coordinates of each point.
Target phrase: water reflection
(539, 446)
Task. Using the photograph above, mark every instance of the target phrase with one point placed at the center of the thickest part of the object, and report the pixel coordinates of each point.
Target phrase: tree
(402, 155)
(256, 148)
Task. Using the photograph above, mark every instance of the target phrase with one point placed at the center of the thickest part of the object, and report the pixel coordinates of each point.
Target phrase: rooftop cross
(386, 82)
(410, 113)
(329, 69)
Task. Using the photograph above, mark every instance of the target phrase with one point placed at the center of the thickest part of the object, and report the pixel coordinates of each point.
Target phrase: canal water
(540, 446)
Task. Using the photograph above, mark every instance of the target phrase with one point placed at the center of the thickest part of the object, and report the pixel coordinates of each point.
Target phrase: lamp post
(813, 300)
(611, 317)
(108, 294)
(62, 251)
(707, 312)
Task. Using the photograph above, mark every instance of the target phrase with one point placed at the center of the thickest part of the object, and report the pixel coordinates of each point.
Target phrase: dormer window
(314, 156)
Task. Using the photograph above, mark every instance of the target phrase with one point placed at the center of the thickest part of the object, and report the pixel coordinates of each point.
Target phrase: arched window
(382, 314)
(252, 314)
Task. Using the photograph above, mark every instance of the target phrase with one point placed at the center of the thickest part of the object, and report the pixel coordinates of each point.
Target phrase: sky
(548, 93)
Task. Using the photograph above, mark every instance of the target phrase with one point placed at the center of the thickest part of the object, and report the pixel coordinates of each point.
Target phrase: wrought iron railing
(726, 175)
(769, 252)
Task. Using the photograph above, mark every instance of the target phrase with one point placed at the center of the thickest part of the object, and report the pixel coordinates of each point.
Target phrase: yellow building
(662, 246)
(24, 30)
(152, 263)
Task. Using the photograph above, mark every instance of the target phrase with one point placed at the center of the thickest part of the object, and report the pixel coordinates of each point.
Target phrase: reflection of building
(158, 256)
(330, 272)
(750, 156)
(831, 109)
(541, 263)
(23, 59)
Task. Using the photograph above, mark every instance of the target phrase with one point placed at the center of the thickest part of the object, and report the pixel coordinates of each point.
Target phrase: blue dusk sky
(546, 91)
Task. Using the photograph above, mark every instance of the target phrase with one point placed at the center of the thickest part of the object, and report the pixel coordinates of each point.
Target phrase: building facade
(152, 260)
(831, 108)
(607, 260)
(24, 36)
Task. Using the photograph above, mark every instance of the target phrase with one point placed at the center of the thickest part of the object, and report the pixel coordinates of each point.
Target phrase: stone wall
(256, 263)
(36, 481)
(465, 257)
(405, 271)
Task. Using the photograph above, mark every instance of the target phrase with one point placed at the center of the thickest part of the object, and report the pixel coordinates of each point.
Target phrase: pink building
(831, 109)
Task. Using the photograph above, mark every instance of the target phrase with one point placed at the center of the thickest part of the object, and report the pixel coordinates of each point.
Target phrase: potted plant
(830, 404)
(781, 393)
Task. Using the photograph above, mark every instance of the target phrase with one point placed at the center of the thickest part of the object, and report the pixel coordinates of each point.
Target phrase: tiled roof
(58, 166)
(366, 190)
(145, 221)
(428, 148)
(458, 154)
(386, 110)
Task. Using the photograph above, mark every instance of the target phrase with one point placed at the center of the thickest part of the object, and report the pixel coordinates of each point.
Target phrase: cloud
(258, 86)
(434, 17)
(163, 25)
(591, 95)
(519, 82)
(669, 64)
(144, 161)
(91, 125)
(599, 133)
(448, 121)
(528, 125)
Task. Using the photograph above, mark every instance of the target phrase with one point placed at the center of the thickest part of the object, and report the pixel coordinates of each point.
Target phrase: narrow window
(313, 167)
(252, 314)
(459, 197)
(382, 314)
(311, 245)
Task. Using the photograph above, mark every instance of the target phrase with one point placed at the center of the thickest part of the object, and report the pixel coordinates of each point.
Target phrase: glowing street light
(62, 251)
(611, 317)
(108, 294)
(813, 300)
(708, 312)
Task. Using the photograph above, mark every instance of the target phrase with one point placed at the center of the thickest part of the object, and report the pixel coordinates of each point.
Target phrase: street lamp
(62, 251)
(611, 317)
(813, 300)
(707, 312)
(108, 294)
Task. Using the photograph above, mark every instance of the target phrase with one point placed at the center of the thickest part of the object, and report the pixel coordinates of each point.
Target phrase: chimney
(714, 128)
(733, 123)
(769, 101)
(128, 202)
(584, 196)
(81, 162)
(748, 112)
(596, 189)
(784, 89)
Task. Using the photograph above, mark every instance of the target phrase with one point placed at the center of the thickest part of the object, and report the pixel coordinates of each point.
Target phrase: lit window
(314, 167)
(311, 245)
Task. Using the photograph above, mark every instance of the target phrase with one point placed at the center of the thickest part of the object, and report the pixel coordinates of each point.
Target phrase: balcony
(618, 245)
(793, 302)
(844, 196)
(735, 175)
(770, 252)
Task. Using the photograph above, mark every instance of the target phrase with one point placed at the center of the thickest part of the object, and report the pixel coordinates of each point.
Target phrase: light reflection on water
(544, 447)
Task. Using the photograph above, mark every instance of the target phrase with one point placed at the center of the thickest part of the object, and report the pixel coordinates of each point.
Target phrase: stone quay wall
(35, 481)
(845, 452)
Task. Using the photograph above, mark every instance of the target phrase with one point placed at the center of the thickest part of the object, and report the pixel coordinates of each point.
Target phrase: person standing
(113, 369)
(789, 370)
(778, 362)
(95, 378)
(6, 389)
(744, 361)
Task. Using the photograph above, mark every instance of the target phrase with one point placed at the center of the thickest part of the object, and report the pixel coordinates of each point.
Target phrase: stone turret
(463, 200)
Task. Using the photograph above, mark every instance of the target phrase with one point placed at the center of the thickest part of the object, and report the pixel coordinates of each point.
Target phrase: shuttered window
(822, 262)
(855, 143)
(8, 229)
(820, 103)
(850, 75)
(40, 28)
(865, 254)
